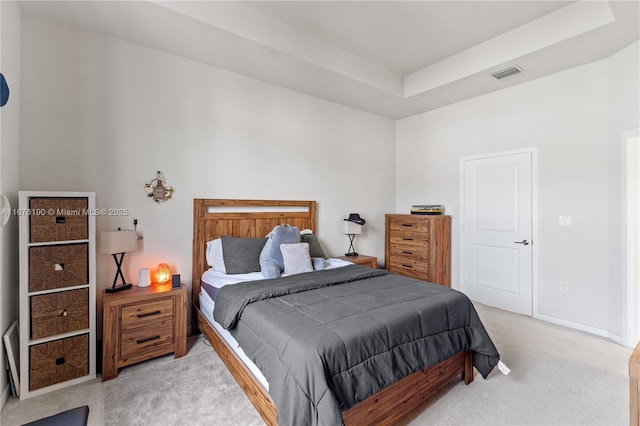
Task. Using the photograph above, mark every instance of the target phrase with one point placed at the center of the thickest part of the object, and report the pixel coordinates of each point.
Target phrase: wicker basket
(58, 266)
(60, 312)
(58, 361)
(58, 219)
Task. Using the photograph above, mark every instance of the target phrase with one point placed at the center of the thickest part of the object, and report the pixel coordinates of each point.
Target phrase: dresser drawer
(409, 224)
(58, 266)
(409, 238)
(61, 312)
(58, 219)
(58, 361)
(415, 251)
(407, 265)
(147, 313)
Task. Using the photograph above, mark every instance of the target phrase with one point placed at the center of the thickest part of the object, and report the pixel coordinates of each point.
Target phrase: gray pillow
(242, 255)
(315, 249)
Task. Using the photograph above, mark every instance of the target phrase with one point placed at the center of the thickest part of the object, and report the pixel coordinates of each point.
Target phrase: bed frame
(252, 218)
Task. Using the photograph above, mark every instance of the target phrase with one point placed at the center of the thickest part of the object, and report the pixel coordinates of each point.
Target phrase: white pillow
(214, 255)
(296, 258)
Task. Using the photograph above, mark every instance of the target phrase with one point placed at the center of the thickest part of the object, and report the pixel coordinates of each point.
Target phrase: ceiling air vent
(507, 72)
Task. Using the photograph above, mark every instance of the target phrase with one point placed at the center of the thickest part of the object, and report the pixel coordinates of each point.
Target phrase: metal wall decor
(158, 189)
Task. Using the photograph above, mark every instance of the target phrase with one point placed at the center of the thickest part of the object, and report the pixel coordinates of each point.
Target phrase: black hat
(355, 218)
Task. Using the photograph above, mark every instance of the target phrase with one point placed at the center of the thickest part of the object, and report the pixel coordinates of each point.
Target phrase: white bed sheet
(206, 307)
(220, 279)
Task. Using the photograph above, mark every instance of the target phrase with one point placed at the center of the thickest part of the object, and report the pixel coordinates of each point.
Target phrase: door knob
(525, 242)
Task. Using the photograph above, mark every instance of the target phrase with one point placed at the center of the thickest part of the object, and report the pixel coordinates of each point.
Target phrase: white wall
(9, 173)
(575, 119)
(101, 114)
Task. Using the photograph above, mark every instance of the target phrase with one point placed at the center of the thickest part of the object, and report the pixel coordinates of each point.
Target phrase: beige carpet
(194, 390)
(559, 376)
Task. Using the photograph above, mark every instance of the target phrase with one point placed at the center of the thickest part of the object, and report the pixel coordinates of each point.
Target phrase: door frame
(534, 217)
(631, 238)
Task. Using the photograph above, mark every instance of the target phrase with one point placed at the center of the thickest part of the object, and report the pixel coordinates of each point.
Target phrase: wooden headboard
(213, 218)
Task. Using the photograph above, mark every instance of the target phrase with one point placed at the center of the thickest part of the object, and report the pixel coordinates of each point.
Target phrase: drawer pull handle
(60, 361)
(60, 219)
(406, 252)
(407, 224)
(61, 312)
(147, 339)
(148, 314)
(58, 267)
(407, 266)
(408, 239)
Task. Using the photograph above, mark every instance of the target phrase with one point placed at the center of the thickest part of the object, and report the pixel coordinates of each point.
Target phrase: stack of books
(432, 209)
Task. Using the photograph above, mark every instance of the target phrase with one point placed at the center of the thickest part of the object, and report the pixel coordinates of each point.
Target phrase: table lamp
(353, 227)
(117, 243)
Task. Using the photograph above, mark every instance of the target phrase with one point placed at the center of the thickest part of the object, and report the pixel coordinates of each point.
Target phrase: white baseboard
(586, 328)
(6, 392)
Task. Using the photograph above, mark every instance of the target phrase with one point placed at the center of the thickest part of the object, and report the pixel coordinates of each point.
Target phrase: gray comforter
(327, 340)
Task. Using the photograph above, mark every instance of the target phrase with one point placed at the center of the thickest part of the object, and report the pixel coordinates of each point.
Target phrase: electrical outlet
(564, 287)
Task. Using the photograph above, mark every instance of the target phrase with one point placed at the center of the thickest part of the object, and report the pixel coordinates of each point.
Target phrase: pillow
(242, 255)
(214, 255)
(271, 262)
(315, 249)
(296, 258)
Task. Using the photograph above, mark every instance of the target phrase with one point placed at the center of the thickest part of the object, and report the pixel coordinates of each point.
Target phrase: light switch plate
(565, 221)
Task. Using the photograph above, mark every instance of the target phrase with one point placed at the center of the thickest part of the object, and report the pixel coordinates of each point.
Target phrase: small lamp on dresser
(163, 273)
(117, 243)
(353, 227)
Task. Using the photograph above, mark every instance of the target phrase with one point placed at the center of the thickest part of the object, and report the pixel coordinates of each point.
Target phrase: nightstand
(361, 259)
(142, 323)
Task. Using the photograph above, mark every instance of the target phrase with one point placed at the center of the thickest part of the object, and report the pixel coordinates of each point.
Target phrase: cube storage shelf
(57, 290)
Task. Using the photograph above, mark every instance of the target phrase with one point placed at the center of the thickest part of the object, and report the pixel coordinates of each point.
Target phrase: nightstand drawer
(61, 312)
(146, 313)
(145, 342)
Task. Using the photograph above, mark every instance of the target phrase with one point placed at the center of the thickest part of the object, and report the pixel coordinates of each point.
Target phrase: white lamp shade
(352, 228)
(113, 242)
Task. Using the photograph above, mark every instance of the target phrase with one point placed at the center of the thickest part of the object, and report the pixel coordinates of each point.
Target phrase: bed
(255, 218)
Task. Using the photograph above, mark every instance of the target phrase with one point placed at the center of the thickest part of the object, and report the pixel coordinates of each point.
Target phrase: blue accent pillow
(271, 261)
(319, 263)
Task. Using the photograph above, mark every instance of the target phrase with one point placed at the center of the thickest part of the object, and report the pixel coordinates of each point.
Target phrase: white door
(496, 247)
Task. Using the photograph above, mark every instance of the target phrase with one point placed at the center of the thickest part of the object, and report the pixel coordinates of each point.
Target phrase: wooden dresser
(419, 246)
(142, 323)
